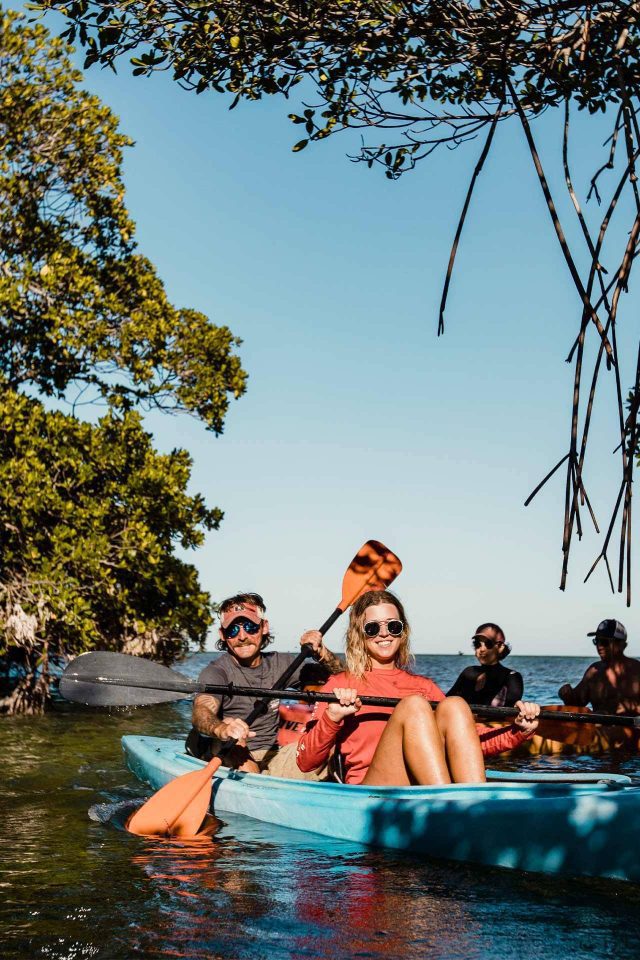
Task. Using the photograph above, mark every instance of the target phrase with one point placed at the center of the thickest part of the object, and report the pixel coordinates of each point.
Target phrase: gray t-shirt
(225, 670)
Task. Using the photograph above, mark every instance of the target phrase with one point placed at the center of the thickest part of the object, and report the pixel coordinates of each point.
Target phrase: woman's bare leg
(421, 746)
(411, 748)
(458, 729)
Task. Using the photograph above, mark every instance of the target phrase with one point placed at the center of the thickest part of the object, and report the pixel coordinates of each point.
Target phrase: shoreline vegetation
(94, 514)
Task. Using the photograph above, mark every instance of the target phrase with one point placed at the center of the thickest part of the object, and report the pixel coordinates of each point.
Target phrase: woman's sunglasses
(394, 627)
(479, 641)
(233, 629)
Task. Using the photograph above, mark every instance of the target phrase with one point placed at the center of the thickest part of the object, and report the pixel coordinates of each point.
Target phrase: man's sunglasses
(233, 629)
(394, 627)
(487, 641)
(601, 641)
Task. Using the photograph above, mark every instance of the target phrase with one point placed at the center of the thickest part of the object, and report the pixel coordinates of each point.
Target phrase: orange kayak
(292, 721)
(556, 736)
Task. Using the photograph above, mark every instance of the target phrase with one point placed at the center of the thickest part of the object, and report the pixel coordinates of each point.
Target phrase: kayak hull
(554, 827)
(593, 742)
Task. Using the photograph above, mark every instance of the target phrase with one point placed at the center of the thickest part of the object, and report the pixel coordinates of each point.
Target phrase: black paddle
(117, 680)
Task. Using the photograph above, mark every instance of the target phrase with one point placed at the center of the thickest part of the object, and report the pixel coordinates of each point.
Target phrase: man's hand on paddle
(234, 729)
(527, 719)
(348, 703)
(313, 638)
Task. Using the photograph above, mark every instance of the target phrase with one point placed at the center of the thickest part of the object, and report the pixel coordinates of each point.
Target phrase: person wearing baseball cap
(243, 636)
(613, 684)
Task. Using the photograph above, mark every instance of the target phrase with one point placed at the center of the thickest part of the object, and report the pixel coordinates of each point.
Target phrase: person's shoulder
(276, 656)
(470, 672)
(277, 662)
(415, 679)
(594, 670)
(217, 667)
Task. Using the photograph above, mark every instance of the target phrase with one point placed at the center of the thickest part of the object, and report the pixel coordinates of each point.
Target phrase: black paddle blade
(100, 679)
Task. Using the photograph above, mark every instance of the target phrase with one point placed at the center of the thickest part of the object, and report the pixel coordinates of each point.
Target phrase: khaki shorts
(282, 763)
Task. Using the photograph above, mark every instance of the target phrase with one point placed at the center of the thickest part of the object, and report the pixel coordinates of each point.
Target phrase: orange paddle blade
(178, 808)
(374, 567)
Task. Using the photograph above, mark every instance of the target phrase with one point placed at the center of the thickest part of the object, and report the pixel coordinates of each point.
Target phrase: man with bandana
(243, 635)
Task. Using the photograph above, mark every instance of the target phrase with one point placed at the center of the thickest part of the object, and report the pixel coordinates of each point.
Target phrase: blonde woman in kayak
(412, 743)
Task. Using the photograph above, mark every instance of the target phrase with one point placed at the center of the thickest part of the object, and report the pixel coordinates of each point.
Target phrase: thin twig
(556, 222)
(463, 215)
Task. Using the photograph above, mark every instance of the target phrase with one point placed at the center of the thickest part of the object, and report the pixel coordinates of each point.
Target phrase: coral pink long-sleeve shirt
(358, 735)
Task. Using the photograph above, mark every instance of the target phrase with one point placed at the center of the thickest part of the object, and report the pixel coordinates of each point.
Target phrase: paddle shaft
(186, 689)
(330, 621)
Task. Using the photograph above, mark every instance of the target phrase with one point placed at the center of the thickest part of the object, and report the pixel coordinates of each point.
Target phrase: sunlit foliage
(91, 514)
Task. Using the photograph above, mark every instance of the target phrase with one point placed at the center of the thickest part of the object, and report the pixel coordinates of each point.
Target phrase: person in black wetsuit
(490, 683)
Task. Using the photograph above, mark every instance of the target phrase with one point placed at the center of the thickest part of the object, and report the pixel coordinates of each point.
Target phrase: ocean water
(73, 887)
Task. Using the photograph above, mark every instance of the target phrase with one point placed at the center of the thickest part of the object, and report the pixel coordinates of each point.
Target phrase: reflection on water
(75, 887)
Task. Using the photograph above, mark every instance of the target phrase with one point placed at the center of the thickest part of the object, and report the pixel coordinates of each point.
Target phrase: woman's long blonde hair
(358, 660)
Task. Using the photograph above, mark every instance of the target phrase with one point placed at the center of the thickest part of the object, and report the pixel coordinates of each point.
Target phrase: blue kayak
(575, 825)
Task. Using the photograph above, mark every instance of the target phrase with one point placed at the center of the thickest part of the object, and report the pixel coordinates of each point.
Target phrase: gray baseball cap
(610, 630)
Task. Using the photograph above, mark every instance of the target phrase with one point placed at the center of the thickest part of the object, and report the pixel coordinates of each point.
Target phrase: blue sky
(358, 421)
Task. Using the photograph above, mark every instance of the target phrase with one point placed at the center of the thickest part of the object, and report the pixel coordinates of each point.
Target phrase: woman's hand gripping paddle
(179, 808)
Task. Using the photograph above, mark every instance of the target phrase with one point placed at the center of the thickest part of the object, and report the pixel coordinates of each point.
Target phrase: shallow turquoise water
(75, 888)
